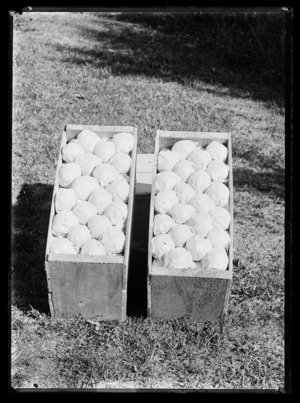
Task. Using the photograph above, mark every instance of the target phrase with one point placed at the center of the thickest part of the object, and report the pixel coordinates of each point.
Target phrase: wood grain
(151, 218)
(208, 273)
(52, 213)
(55, 188)
(91, 290)
(89, 259)
(129, 223)
(50, 299)
(144, 168)
(230, 185)
(198, 299)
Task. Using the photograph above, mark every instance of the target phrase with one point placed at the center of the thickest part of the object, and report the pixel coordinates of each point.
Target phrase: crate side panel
(230, 185)
(151, 218)
(96, 259)
(50, 301)
(130, 202)
(129, 224)
(144, 168)
(88, 289)
(191, 272)
(199, 299)
(55, 189)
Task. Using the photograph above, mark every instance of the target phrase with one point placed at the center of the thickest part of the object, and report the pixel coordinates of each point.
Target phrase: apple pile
(191, 207)
(91, 201)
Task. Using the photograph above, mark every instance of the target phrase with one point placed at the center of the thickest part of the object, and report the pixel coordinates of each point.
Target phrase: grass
(156, 72)
(142, 354)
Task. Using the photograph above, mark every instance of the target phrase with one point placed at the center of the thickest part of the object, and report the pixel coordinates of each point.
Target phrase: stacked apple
(91, 201)
(191, 207)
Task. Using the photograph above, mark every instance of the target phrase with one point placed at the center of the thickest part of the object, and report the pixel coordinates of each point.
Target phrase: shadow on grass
(267, 175)
(242, 53)
(30, 219)
(264, 182)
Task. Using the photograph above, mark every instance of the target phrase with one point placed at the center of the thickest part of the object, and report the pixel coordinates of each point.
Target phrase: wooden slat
(183, 135)
(50, 299)
(52, 213)
(131, 199)
(230, 185)
(151, 218)
(129, 223)
(144, 164)
(53, 257)
(198, 299)
(124, 305)
(91, 290)
(55, 188)
(210, 273)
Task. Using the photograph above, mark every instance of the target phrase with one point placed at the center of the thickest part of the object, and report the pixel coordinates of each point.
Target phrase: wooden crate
(91, 286)
(201, 296)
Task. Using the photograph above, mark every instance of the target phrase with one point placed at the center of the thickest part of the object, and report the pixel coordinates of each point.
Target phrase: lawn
(188, 72)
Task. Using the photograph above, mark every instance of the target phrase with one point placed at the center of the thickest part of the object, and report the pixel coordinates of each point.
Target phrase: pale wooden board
(230, 185)
(198, 299)
(144, 174)
(209, 273)
(55, 188)
(166, 139)
(151, 218)
(88, 289)
(89, 259)
(144, 164)
(52, 213)
(129, 223)
(50, 299)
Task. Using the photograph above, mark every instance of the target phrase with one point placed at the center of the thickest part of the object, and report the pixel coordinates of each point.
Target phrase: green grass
(155, 72)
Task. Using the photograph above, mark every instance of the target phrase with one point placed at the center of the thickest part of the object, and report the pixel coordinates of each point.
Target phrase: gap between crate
(144, 167)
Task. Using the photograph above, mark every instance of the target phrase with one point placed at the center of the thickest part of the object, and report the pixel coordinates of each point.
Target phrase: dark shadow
(137, 273)
(30, 220)
(242, 53)
(266, 182)
(267, 174)
(259, 160)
